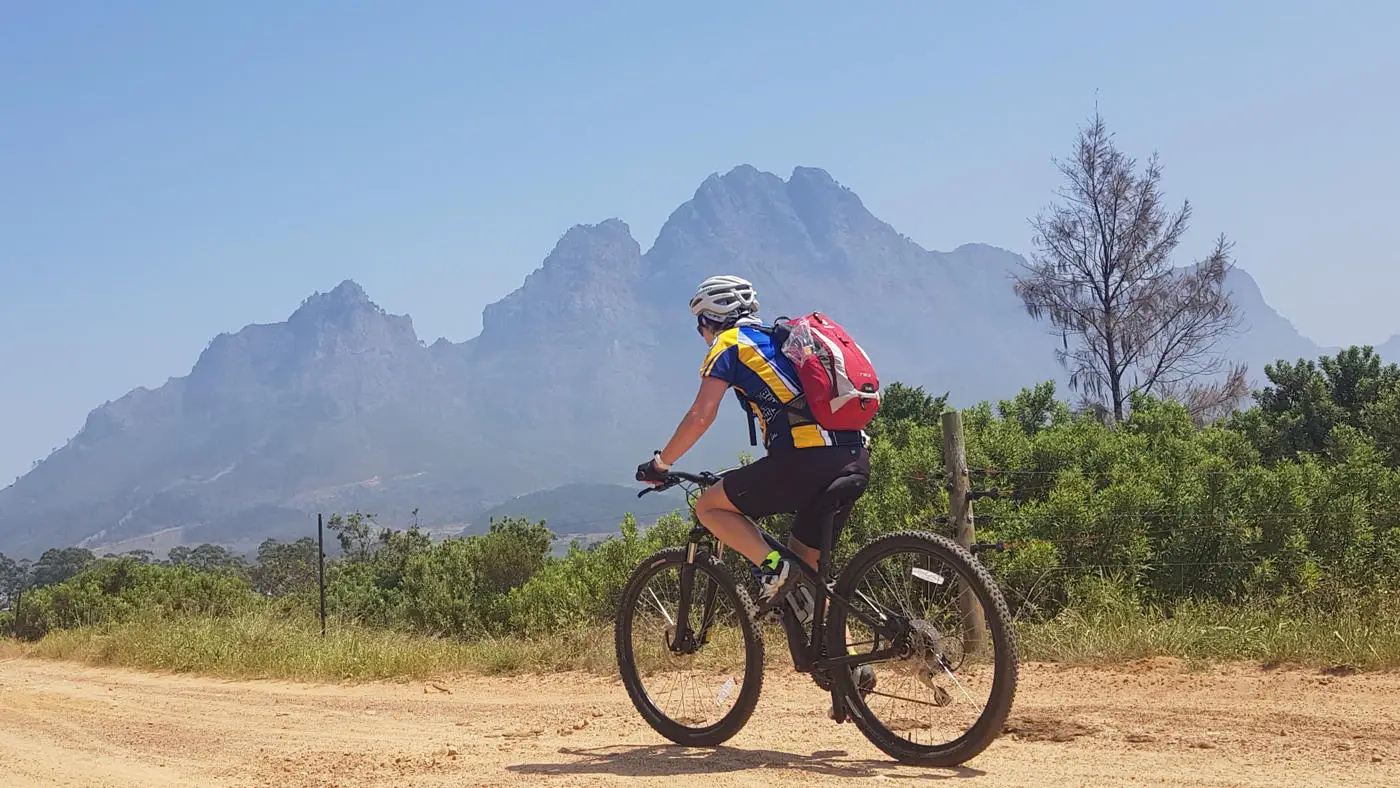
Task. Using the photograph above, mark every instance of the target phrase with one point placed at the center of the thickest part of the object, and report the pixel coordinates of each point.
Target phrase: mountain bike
(946, 654)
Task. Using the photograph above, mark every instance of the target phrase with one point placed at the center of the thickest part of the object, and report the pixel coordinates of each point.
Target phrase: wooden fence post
(964, 531)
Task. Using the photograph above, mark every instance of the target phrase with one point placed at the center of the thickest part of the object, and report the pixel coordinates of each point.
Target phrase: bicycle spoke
(962, 689)
(661, 607)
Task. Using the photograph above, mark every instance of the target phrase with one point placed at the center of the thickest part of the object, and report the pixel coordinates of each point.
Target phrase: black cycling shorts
(788, 482)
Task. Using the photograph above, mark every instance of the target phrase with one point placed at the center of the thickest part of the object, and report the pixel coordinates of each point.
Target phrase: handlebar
(673, 478)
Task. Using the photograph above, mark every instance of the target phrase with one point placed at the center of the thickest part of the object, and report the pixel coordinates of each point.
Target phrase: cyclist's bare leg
(809, 555)
(722, 518)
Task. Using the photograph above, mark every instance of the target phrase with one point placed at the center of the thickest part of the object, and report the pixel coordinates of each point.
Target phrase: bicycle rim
(698, 699)
(946, 697)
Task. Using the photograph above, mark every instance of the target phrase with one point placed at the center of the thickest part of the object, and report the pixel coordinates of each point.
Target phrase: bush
(456, 587)
(586, 585)
(119, 590)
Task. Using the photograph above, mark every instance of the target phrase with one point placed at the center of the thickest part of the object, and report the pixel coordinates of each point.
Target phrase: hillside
(583, 508)
(575, 377)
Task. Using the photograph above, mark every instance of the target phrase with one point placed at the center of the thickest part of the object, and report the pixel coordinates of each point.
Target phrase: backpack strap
(753, 419)
(799, 415)
(779, 334)
(797, 406)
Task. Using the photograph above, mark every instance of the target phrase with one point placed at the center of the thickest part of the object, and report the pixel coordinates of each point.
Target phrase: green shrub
(113, 590)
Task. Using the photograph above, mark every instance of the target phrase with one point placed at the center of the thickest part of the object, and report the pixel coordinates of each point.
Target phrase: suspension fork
(684, 641)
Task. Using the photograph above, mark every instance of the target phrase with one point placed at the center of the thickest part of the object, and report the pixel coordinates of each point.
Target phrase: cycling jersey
(747, 358)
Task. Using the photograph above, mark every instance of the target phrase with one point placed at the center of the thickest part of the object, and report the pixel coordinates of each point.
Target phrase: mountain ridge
(579, 371)
(1390, 349)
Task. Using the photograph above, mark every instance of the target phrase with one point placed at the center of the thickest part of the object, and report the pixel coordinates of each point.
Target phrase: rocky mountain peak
(744, 185)
(344, 300)
(585, 281)
(587, 245)
(730, 218)
(815, 182)
(338, 348)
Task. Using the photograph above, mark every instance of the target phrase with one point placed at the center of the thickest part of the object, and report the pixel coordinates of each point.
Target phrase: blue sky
(171, 170)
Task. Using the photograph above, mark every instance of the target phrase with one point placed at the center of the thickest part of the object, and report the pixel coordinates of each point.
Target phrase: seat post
(837, 496)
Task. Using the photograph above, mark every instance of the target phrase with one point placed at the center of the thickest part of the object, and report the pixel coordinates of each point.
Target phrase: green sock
(771, 561)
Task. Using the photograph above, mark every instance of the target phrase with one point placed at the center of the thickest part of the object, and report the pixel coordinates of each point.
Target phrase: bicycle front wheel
(703, 693)
(944, 697)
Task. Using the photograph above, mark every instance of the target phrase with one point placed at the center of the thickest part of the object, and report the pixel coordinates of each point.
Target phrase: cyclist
(801, 460)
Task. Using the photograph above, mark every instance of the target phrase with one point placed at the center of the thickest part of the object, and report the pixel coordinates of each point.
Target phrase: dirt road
(1151, 723)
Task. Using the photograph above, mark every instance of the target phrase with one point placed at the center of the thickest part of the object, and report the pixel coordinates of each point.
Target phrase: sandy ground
(1149, 723)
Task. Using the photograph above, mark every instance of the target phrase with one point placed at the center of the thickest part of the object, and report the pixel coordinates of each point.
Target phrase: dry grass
(265, 645)
(1108, 626)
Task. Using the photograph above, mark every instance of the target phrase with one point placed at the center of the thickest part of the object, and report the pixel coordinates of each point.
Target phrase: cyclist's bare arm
(698, 419)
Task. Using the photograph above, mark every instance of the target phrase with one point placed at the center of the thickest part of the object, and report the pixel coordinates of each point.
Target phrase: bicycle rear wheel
(944, 699)
(718, 678)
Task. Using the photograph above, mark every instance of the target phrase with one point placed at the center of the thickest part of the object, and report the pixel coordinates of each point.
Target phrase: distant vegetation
(1273, 533)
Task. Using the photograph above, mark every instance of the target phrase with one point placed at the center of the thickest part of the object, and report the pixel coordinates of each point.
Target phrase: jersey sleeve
(723, 359)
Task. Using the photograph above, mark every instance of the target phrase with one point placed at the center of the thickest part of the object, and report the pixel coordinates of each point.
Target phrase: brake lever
(656, 488)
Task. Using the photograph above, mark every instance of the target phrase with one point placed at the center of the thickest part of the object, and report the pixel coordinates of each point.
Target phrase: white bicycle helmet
(724, 299)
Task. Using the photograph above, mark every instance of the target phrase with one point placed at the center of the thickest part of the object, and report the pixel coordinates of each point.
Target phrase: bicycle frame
(808, 656)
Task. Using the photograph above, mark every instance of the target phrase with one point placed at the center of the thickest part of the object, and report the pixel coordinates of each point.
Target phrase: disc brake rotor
(926, 651)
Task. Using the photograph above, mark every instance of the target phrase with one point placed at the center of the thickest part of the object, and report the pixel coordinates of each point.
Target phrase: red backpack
(838, 380)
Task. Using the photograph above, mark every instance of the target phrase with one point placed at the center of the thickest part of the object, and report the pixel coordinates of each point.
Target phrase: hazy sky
(172, 170)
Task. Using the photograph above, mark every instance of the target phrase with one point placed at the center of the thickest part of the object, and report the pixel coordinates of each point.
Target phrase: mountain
(1264, 335)
(1390, 351)
(340, 403)
(575, 377)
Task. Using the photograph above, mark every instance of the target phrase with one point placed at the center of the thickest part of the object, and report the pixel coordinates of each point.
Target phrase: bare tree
(1102, 274)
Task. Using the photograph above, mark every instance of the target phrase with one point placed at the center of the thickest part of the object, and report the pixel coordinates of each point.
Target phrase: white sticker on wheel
(724, 692)
(927, 576)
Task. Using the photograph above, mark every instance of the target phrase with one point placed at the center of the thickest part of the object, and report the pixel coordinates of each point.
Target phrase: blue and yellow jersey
(749, 360)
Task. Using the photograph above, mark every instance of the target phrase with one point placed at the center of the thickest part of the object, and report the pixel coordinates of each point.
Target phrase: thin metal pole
(321, 568)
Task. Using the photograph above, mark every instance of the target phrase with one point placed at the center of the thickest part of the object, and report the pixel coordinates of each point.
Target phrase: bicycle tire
(747, 700)
(1006, 649)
